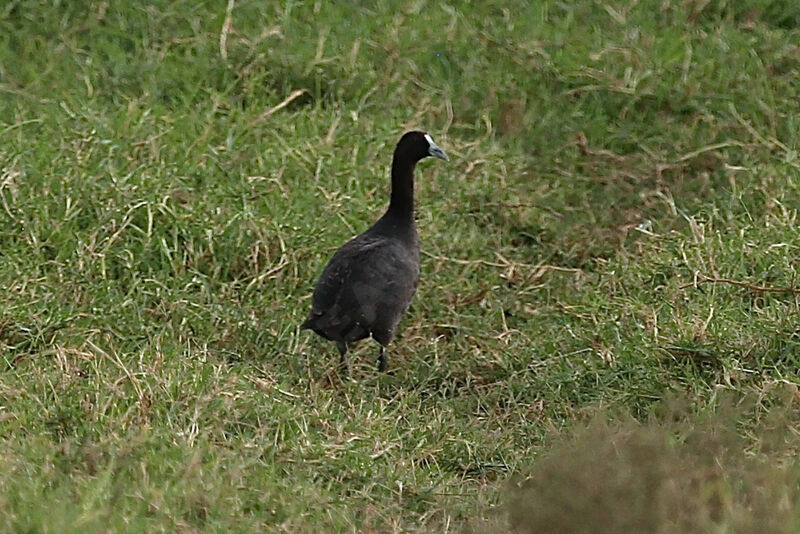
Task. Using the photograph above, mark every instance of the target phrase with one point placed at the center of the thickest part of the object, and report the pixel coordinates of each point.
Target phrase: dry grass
(684, 473)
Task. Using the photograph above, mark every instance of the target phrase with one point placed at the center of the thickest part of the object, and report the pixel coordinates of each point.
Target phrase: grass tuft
(682, 473)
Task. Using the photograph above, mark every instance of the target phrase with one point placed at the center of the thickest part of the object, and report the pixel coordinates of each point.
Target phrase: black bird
(368, 283)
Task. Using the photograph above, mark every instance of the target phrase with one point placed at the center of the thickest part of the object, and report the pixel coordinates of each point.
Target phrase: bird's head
(417, 145)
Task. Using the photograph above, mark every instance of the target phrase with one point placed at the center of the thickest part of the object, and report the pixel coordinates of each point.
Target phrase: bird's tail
(311, 320)
(309, 323)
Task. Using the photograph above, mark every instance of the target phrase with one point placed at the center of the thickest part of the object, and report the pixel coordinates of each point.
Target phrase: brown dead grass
(689, 474)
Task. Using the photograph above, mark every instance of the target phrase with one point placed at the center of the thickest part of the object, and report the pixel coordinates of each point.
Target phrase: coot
(367, 285)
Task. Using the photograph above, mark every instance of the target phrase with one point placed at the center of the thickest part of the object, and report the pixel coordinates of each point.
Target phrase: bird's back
(365, 288)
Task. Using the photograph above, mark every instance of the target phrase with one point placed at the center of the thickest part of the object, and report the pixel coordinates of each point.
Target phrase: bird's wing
(362, 272)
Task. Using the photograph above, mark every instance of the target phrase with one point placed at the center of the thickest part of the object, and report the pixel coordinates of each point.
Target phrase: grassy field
(605, 337)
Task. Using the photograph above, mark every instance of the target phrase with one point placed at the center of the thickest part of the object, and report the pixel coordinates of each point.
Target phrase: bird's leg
(342, 346)
(382, 359)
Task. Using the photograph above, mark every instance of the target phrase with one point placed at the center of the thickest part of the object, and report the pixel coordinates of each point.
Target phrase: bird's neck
(402, 200)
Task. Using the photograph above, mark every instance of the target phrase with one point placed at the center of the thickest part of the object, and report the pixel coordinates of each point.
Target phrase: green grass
(163, 218)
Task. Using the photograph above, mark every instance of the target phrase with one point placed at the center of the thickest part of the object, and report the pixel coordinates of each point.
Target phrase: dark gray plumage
(367, 285)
